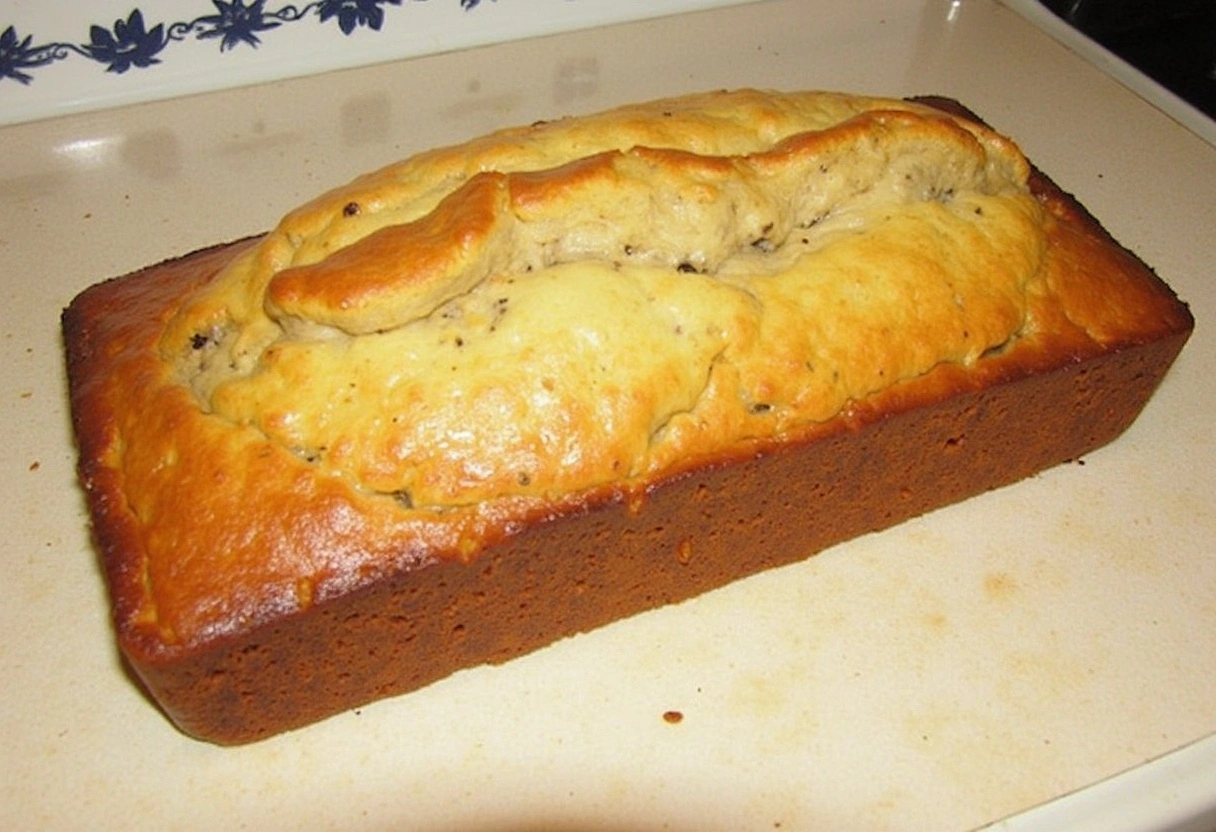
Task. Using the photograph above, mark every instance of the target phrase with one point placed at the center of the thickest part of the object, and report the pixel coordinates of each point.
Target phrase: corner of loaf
(514, 389)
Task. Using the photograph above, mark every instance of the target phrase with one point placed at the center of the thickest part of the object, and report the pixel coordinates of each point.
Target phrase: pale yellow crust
(538, 332)
(419, 365)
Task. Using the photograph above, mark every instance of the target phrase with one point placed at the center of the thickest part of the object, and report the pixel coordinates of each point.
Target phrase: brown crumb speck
(673, 717)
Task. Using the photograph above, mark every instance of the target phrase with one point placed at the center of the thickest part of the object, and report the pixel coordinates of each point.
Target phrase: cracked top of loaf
(577, 302)
(422, 361)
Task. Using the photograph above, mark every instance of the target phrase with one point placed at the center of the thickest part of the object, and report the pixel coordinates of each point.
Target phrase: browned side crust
(944, 437)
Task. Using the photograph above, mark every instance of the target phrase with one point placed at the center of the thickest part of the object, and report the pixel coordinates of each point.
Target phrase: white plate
(64, 56)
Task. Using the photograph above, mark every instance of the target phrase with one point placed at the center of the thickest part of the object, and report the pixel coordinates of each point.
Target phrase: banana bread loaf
(503, 392)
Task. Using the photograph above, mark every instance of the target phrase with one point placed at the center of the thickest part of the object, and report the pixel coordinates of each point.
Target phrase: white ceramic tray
(64, 56)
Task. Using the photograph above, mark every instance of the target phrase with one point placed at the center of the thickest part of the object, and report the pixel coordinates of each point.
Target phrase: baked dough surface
(508, 391)
(494, 336)
(595, 300)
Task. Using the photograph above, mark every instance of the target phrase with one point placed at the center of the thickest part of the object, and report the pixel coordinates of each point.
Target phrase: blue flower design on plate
(354, 13)
(17, 55)
(236, 23)
(131, 43)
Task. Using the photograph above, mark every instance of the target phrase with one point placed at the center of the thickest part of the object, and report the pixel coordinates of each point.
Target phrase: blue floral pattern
(235, 24)
(130, 44)
(354, 13)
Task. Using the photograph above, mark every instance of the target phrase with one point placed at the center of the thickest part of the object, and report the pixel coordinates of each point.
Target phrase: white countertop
(955, 672)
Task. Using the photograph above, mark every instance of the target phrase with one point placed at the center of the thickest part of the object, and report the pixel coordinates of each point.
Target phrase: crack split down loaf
(504, 392)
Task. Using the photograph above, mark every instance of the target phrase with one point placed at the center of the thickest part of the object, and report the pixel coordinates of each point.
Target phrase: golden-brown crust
(408, 269)
(236, 566)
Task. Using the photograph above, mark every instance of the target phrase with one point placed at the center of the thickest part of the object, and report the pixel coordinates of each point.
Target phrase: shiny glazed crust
(289, 529)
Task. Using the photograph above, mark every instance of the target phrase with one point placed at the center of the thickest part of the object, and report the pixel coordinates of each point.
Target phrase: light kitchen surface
(1040, 657)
